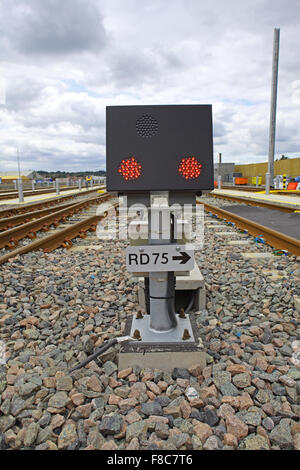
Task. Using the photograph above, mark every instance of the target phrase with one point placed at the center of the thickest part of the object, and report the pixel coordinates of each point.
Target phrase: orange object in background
(292, 185)
(241, 180)
(215, 184)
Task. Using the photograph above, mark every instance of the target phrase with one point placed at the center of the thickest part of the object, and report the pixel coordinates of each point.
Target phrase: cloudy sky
(63, 62)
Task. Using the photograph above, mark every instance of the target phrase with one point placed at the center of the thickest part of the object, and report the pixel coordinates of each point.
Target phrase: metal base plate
(172, 336)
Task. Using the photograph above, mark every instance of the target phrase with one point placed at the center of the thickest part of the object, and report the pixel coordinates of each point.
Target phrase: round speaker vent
(146, 126)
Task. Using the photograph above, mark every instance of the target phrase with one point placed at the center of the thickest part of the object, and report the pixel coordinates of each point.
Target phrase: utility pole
(273, 104)
(20, 181)
(19, 168)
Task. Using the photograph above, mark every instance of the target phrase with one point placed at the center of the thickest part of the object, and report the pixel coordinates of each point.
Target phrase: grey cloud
(150, 52)
(130, 68)
(50, 27)
(219, 129)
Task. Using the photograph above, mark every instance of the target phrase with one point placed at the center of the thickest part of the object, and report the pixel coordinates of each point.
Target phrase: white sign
(152, 258)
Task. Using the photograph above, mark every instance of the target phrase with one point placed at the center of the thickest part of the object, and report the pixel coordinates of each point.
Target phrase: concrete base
(191, 282)
(239, 242)
(165, 361)
(164, 356)
(259, 257)
(232, 233)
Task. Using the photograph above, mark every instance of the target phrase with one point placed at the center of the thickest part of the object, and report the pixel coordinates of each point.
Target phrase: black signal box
(159, 148)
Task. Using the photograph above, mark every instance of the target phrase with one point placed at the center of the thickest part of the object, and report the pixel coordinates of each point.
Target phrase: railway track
(36, 192)
(272, 237)
(61, 237)
(10, 212)
(10, 238)
(255, 202)
(244, 188)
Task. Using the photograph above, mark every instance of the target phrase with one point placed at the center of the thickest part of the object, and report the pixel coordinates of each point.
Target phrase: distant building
(226, 170)
(26, 175)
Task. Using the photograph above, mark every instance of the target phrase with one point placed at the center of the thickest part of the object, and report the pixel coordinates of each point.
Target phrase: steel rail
(245, 188)
(255, 202)
(11, 237)
(46, 203)
(10, 222)
(60, 238)
(35, 192)
(272, 237)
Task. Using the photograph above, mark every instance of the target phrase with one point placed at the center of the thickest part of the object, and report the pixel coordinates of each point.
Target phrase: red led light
(130, 169)
(189, 168)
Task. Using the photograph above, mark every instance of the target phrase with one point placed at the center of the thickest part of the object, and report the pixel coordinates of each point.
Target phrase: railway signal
(159, 148)
(161, 152)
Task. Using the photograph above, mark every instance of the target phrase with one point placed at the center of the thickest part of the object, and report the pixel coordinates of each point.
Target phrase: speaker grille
(146, 126)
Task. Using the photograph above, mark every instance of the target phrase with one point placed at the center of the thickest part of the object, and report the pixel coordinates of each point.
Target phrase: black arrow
(184, 257)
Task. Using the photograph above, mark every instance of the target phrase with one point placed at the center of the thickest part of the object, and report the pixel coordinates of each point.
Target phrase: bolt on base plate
(175, 335)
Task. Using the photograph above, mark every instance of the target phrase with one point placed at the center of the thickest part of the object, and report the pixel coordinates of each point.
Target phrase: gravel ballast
(55, 309)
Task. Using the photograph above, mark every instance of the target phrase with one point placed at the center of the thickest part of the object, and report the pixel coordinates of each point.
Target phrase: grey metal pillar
(91, 183)
(268, 176)
(256, 181)
(233, 181)
(219, 182)
(79, 184)
(48, 184)
(277, 182)
(161, 285)
(33, 185)
(57, 186)
(273, 103)
(15, 185)
(20, 190)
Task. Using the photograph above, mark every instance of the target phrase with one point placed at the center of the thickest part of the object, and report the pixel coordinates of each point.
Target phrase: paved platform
(44, 197)
(287, 223)
(284, 200)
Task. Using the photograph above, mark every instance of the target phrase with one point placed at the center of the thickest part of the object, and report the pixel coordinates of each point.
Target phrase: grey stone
(267, 336)
(17, 405)
(45, 420)
(286, 351)
(26, 389)
(136, 430)
(6, 422)
(294, 373)
(151, 408)
(180, 373)
(5, 407)
(163, 401)
(109, 367)
(278, 389)
(281, 435)
(196, 443)
(228, 389)
(256, 442)
(44, 434)
(250, 417)
(111, 425)
(31, 434)
(242, 380)
(268, 423)
(207, 416)
(180, 439)
(67, 436)
(213, 443)
(263, 396)
(162, 430)
(59, 400)
(64, 383)
(221, 377)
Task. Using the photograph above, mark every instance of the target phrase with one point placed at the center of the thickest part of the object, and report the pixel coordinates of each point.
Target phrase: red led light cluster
(130, 169)
(189, 168)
